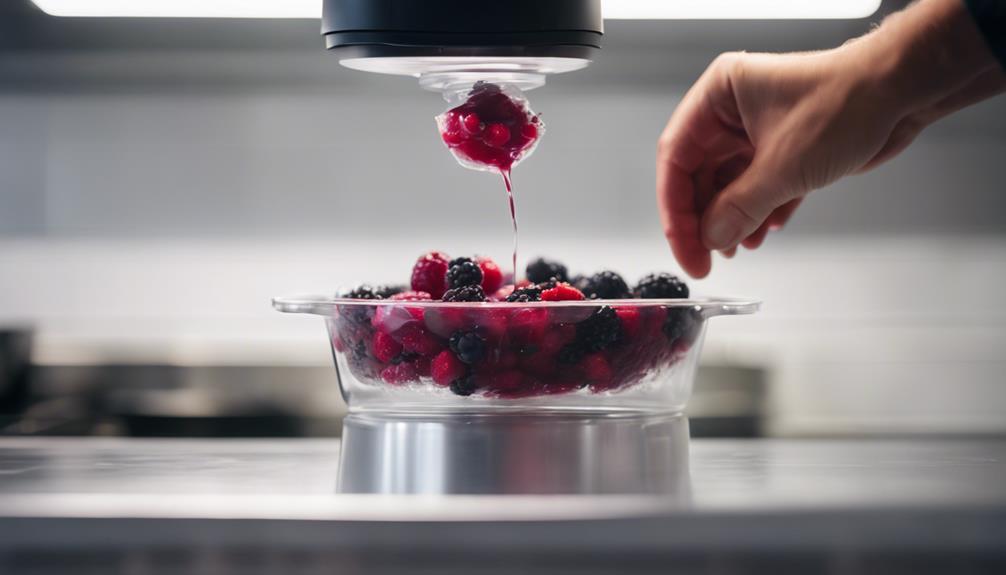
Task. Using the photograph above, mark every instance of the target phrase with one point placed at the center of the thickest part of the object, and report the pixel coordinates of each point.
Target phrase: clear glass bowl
(595, 355)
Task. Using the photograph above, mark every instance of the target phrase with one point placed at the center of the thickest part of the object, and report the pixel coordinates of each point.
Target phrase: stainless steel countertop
(809, 503)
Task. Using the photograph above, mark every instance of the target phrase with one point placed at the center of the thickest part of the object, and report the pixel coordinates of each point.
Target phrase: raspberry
(596, 369)
(446, 367)
(445, 321)
(411, 296)
(606, 285)
(385, 347)
(391, 318)
(561, 292)
(631, 321)
(527, 327)
(557, 337)
(525, 294)
(430, 274)
(464, 386)
(542, 270)
(502, 294)
(463, 272)
(469, 346)
(415, 339)
(492, 276)
(661, 286)
(465, 293)
(398, 374)
(599, 331)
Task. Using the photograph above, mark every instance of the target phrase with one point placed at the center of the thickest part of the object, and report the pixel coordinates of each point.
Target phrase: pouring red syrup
(492, 131)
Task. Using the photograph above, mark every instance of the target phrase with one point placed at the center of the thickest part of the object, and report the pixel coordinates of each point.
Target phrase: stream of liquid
(513, 220)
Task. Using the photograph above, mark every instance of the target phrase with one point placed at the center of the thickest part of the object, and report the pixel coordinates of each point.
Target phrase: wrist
(925, 53)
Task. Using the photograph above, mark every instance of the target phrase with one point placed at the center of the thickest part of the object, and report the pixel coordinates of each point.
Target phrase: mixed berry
(510, 350)
(491, 130)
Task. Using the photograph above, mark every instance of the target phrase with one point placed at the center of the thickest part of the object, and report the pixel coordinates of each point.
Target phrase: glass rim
(326, 305)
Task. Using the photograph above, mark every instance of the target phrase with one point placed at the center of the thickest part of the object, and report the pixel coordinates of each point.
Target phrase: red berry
(631, 321)
(529, 131)
(472, 124)
(557, 337)
(446, 367)
(497, 135)
(541, 364)
(596, 369)
(493, 323)
(453, 138)
(561, 292)
(527, 326)
(404, 372)
(502, 293)
(492, 276)
(412, 296)
(385, 347)
(415, 339)
(445, 321)
(508, 380)
(430, 274)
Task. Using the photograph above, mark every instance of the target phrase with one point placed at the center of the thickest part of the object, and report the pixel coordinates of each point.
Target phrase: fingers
(780, 217)
(695, 134)
(741, 209)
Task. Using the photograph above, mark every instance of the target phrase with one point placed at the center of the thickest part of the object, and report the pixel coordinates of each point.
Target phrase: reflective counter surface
(582, 492)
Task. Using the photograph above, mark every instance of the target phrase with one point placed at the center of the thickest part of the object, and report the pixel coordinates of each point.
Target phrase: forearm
(931, 60)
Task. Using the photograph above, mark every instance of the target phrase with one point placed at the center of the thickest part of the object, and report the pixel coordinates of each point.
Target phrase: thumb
(737, 211)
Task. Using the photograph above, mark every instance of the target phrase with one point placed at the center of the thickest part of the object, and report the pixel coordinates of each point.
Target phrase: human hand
(758, 132)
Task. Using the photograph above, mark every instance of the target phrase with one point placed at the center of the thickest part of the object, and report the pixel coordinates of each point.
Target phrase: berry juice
(492, 130)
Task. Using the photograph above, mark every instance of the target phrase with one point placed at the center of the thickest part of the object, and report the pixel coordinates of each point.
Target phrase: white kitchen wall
(153, 199)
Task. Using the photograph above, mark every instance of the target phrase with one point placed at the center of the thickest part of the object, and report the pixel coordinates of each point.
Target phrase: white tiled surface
(859, 334)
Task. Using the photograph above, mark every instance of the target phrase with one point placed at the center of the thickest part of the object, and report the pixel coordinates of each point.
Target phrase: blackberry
(389, 290)
(463, 272)
(661, 286)
(465, 293)
(599, 331)
(542, 270)
(464, 386)
(682, 323)
(570, 354)
(469, 346)
(606, 285)
(359, 314)
(579, 281)
(364, 292)
(524, 295)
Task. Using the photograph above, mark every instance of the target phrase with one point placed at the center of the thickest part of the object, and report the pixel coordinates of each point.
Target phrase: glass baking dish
(632, 355)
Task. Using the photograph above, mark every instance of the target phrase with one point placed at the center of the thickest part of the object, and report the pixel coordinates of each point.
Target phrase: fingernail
(720, 234)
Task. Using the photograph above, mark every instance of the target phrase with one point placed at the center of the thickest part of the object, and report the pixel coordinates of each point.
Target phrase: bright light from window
(614, 9)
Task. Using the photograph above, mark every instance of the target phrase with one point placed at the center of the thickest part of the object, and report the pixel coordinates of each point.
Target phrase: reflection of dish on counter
(516, 454)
